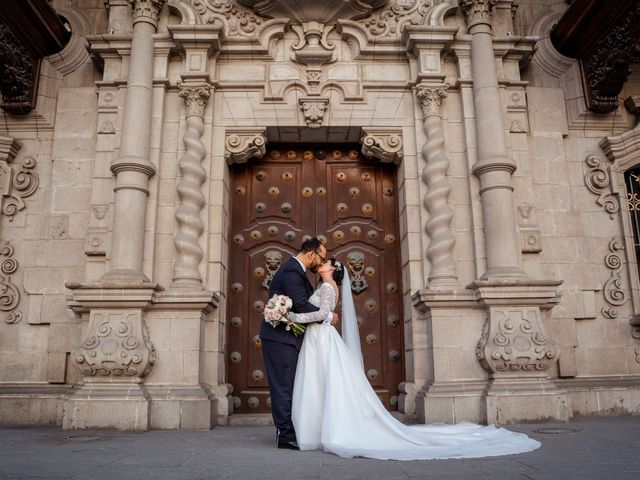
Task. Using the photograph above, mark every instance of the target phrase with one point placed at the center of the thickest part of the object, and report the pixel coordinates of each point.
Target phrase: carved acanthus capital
(147, 10)
(477, 11)
(240, 146)
(431, 98)
(384, 145)
(313, 110)
(196, 98)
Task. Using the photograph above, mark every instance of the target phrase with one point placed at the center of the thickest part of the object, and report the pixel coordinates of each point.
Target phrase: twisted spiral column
(440, 250)
(190, 225)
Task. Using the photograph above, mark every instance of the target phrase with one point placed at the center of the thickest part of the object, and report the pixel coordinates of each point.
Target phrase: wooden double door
(351, 204)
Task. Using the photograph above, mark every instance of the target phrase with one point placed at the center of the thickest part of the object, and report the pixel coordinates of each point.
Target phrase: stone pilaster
(440, 250)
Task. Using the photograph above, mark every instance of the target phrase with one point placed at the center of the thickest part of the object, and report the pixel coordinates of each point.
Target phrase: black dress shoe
(290, 445)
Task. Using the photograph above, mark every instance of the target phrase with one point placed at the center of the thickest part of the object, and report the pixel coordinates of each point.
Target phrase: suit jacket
(292, 281)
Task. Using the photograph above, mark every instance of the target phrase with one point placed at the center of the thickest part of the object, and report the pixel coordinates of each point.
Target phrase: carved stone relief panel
(598, 181)
(612, 290)
(9, 292)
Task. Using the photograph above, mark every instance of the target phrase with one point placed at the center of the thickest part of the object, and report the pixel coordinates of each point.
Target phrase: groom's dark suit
(280, 347)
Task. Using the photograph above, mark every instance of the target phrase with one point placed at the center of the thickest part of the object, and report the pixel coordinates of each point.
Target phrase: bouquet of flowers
(275, 312)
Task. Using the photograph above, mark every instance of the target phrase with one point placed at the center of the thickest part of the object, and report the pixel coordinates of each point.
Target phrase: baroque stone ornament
(17, 82)
(240, 146)
(9, 293)
(477, 11)
(434, 175)
(612, 290)
(239, 21)
(597, 180)
(514, 341)
(383, 145)
(147, 10)
(16, 186)
(390, 22)
(117, 345)
(327, 11)
(190, 225)
(313, 110)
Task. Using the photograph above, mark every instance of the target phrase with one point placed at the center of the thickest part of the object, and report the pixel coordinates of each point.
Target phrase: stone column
(440, 250)
(513, 347)
(190, 225)
(494, 168)
(133, 167)
(117, 352)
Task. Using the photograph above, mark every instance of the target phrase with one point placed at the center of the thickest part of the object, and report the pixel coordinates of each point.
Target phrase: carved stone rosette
(477, 11)
(513, 340)
(597, 180)
(612, 290)
(190, 225)
(117, 345)
(313, 110)
(440, 250)
(240, 146)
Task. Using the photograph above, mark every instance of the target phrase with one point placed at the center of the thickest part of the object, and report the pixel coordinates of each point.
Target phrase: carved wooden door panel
(350, 203)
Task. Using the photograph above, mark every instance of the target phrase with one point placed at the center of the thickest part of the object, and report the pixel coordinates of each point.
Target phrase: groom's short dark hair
(310, 245)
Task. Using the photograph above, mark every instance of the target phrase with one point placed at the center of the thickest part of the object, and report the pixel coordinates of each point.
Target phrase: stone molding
(384, 144)
(477, 12)
(612, 289)
(242, 144)
(597, 180)
(313, 109)
(189, 253)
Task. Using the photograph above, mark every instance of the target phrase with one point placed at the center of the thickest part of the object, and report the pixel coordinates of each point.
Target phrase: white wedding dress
(335, 408)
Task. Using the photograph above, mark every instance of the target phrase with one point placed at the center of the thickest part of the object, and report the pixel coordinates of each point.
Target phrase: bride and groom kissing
(320, 395)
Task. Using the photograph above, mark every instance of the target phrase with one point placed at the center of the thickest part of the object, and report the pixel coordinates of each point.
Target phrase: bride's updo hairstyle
(338, 273)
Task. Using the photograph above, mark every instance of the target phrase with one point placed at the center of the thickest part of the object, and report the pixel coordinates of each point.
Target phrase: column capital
(477, 11)
(147, 10)
(196, 98)
(430, 98)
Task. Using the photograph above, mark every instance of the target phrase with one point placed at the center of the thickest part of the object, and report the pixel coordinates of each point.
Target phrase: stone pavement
(585, 449)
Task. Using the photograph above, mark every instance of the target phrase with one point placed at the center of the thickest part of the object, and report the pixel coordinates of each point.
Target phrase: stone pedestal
(517, 353)
(108, 403)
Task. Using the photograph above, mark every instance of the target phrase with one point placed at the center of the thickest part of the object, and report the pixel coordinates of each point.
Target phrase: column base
(118, 405)
(188, 407)
(512, 400)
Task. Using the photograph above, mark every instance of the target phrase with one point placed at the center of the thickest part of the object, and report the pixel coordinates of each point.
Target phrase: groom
(280, 347)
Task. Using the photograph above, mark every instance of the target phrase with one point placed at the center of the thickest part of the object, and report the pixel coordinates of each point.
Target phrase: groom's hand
(335, 318)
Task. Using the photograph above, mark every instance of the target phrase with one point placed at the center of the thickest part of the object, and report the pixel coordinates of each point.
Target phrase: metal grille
(632, 180)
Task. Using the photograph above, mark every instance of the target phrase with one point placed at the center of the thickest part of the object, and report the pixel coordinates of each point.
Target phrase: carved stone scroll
(597, 180)
(190, 226)
(383, 144)
(9, 293)
(440, 250)
(612, 290)
(241, 145)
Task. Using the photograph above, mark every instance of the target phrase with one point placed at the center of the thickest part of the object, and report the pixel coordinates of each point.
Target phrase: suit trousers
(281, 360)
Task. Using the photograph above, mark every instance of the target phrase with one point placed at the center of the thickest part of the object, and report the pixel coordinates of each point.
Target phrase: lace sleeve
(325, 313)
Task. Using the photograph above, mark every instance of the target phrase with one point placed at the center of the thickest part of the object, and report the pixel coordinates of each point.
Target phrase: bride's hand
(335, 319)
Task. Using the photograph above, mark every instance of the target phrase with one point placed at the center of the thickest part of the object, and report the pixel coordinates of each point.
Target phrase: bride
(335, 408)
